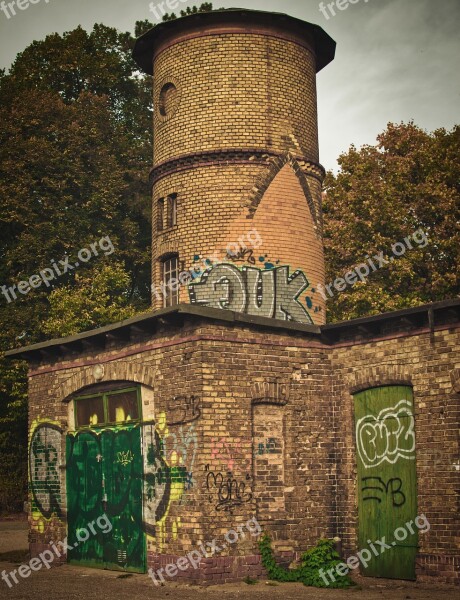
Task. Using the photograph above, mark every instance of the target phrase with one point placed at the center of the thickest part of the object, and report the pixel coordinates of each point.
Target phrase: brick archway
(376, 376)
(119, 370)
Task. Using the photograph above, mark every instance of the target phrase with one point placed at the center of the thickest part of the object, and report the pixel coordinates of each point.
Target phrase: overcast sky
(396, 60)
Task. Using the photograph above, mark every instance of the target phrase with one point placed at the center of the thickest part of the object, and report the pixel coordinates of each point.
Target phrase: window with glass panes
(108, 408)
(171, 288)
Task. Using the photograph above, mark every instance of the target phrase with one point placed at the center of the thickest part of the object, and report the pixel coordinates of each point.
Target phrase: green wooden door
(387, 485)
(104, 476)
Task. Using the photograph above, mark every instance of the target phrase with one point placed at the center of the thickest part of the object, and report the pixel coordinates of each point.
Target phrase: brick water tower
(194, 424)
(236, 182)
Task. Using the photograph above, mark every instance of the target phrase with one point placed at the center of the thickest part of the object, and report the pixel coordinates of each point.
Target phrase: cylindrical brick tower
(236, 183)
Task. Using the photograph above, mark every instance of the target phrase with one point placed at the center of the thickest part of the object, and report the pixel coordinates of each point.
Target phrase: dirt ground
(13, 535)
(73, 583)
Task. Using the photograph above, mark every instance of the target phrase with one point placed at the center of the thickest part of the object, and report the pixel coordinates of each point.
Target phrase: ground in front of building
(73, 583)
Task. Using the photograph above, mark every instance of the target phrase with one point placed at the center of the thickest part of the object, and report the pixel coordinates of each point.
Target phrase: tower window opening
(172, 210)
(170, 280)
(160, 214)
(168, 99)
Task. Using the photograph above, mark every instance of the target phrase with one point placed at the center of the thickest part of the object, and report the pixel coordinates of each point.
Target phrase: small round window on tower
(169, 99)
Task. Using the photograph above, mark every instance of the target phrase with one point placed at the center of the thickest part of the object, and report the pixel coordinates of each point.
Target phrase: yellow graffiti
(176, 493)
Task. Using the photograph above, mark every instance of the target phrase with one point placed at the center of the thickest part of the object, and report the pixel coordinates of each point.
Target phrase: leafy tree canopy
(205, 7)
(75, 149)
(99, 297)
(382, 194)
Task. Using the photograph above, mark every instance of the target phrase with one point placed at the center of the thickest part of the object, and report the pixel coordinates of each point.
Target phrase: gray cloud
(396, 59)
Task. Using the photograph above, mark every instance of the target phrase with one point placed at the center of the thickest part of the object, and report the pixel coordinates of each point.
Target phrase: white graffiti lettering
(388, 436)
(269, 293)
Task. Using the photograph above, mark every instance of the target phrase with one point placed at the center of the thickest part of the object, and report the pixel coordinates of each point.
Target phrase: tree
(99, 297)
(75, 149)
(13, 435)
(205, 7)
(382, 194)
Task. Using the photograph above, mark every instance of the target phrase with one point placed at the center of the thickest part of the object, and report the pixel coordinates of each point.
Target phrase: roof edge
(180, 309)
(145, 44)
(404, 312)
(217, 314)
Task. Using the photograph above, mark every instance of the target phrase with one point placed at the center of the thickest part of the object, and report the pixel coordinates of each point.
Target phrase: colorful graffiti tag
(169, 459)
(269, 293)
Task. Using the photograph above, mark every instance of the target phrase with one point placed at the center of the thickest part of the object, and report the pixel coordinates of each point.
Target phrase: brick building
(232, 399)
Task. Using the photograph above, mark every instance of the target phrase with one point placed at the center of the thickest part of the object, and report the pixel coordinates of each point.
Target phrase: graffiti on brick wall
(269, 293)
(269, 446)
(180, 446)
(157, 479)
(45, 458)
(230, 452)
(169, 460)
(243, 255)
(182, 410)
(159, 455)
(270, 263)
(226, 491)
(120, 474)
(388, 436)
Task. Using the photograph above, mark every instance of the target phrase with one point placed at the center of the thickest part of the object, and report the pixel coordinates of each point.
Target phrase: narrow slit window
(160, 214)
(172, 210)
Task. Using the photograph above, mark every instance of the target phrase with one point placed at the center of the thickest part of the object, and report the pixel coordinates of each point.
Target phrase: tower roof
(147, 44)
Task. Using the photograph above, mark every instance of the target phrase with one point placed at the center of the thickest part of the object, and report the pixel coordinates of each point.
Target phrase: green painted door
(387, 485)
(104, 477)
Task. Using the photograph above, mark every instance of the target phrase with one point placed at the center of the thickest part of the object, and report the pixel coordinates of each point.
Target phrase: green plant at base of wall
(323, 556)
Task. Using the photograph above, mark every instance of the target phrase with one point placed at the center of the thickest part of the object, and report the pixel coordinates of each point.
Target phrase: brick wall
(424, 362)
(270, 435)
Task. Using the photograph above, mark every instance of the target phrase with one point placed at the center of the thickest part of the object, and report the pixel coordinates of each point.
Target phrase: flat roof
(421, 316)
(145, 45)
